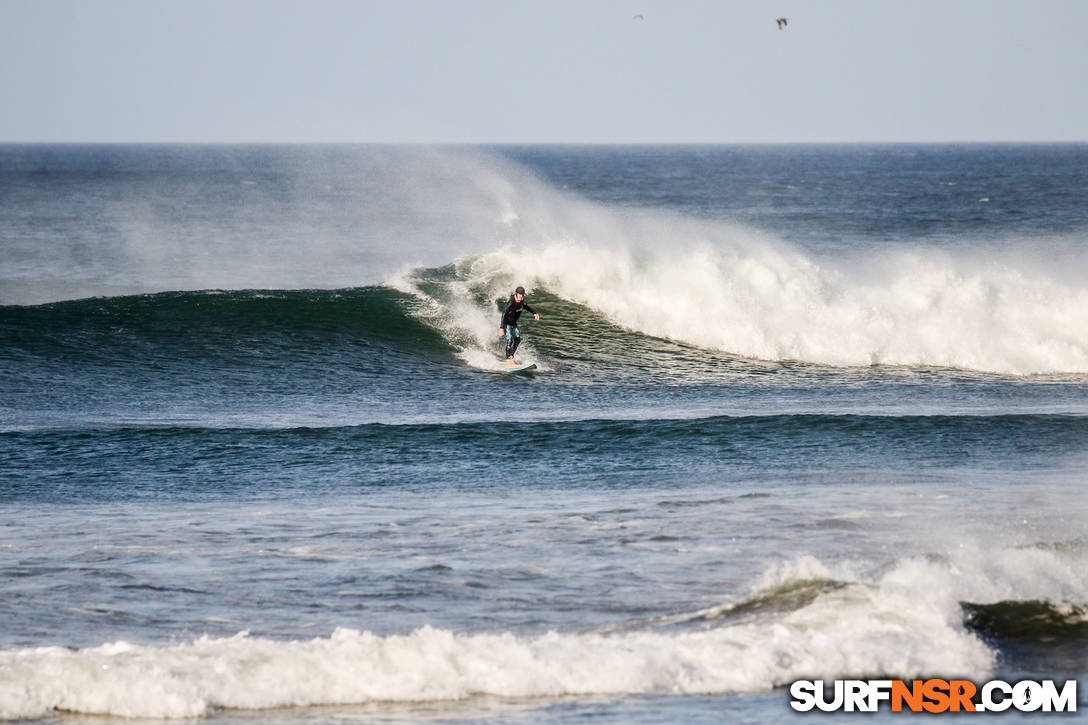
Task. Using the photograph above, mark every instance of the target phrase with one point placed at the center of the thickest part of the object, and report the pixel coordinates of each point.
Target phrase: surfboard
(519, 368)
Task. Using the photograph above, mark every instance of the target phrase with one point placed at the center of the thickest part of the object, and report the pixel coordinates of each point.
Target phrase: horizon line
(170, 142)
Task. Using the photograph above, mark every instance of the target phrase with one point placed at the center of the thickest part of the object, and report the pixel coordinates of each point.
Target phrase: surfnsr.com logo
(933, 695)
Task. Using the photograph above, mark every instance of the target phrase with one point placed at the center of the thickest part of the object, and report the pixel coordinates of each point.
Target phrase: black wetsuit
(510, 315)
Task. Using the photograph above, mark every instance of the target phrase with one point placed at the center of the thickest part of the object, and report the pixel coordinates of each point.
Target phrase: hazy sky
(543, 70)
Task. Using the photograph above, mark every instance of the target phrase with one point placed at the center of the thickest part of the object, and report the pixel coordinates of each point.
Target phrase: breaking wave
(802, 619)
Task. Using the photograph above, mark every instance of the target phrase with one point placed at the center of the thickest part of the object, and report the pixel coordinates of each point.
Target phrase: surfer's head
(519, 294)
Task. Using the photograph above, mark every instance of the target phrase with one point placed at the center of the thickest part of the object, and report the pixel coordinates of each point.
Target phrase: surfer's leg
(509, 341)
(513, 339)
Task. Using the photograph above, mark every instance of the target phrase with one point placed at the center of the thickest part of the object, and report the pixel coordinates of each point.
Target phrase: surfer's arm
(531, 311)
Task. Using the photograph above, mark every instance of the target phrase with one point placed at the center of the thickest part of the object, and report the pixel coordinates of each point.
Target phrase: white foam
(881, 628)
(903, 620)
(432, 664)
(734, 291)
(471, 329)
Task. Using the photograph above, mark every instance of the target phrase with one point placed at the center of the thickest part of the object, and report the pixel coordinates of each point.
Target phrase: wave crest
(757, 299)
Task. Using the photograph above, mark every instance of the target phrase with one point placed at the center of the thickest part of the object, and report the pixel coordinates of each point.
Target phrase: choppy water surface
(799, 412)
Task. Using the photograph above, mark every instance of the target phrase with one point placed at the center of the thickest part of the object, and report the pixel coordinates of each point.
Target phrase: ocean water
(800, 412)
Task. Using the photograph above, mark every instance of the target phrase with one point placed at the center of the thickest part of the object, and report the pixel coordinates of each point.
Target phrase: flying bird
(781, 23)
(637, 17)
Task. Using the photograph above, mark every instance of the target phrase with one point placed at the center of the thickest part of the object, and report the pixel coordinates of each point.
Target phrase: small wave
(1036, 634)
(352, 666)
(802, 619)
(1054, 433)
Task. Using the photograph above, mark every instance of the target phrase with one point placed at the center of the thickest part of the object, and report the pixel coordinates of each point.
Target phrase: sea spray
(239, 218)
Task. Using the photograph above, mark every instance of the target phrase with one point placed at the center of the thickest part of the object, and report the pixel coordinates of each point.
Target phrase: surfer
(508, 327)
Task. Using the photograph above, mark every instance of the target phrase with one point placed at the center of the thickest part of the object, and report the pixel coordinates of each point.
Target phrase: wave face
(362, 324)
(597, 321)
(1037, 635)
